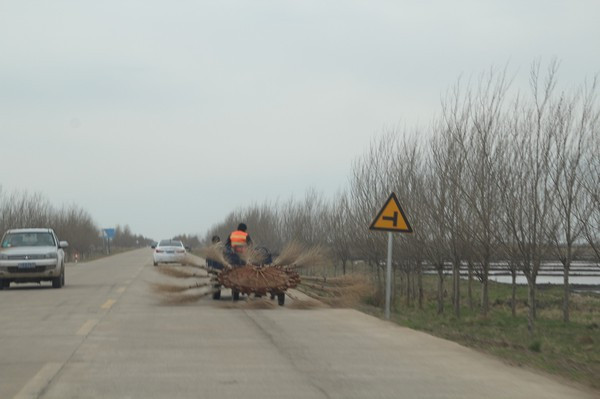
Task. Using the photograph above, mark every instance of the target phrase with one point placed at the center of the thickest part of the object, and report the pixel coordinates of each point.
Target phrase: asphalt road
(106, 334)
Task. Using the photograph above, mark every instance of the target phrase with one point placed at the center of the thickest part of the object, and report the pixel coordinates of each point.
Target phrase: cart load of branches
(254, 272)
(259, 280)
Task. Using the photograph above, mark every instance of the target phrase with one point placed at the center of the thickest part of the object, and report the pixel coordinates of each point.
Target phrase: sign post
(391, 218)
(109, 234)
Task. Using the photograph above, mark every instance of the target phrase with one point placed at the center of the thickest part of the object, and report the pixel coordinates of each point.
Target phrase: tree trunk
(440, 270)
(407, 287)
(456, 273)
(485, 299)
(470, 285)
(420, 284)
(531, 313)
(513, 302)
(567, 268)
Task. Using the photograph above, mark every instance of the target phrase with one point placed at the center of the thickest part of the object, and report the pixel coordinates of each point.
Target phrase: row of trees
(498, 177)
(124, 238)
(71, 223)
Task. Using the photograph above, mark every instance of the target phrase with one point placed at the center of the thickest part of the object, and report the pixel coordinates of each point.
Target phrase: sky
(168, 115)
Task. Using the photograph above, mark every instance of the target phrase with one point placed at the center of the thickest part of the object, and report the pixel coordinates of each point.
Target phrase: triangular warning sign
(391, 217)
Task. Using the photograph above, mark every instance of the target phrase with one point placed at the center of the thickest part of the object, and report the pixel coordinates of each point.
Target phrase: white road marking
(121, 290)
(36, 385)
(108, 304)
(87, 327)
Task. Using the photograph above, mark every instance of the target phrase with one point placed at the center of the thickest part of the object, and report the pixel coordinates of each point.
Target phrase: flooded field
(583, 276)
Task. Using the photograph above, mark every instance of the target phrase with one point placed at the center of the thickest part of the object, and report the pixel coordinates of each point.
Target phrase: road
(106, 334)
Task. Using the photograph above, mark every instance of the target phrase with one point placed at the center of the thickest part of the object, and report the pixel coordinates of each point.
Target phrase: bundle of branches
(255, 277)
(296, 255)
(259, 280)
(179, 272)
(337, 291)
(216, 252)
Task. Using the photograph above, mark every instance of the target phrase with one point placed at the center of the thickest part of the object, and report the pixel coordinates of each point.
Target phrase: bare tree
(572, 122)
(526, 196)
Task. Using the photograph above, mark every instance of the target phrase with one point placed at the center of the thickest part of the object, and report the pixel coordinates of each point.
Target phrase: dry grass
(178, 272)
(216, 252)
(162, 288)
(344, 291)
(306, 304)
(317, 256)
(183, 299)
(290, 254)
(254, 256)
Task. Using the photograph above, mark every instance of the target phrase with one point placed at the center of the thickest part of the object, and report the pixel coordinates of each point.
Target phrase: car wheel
(217, 295)
(281, 299)
(236, 295)
(59, 281)
(155, 264)
(4, 284)
(56, 282)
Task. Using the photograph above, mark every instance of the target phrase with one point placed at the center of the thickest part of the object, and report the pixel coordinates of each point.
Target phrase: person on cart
(237, 245)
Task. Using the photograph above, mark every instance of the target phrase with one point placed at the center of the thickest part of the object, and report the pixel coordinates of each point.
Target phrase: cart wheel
(281, 299)
(236, 295)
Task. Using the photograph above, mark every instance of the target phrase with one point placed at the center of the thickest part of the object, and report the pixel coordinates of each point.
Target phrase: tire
(217, 295)
(58, 282)
(236, 295)
(155, 264)
(281, 299)
(4, 284)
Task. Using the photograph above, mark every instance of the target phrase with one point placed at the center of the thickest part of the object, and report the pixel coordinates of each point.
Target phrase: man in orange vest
(239, 241)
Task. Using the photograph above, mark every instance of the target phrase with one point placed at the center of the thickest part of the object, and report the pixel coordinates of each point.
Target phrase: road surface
(106, 334)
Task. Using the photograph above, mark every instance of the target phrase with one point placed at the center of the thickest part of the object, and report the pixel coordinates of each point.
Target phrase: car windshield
(170, 243)
(12, 240)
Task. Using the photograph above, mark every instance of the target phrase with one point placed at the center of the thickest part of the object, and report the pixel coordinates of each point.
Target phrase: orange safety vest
(238, 241)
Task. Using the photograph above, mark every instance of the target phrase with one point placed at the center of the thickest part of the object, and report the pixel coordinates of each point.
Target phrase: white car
(169, 251)
(32, 256)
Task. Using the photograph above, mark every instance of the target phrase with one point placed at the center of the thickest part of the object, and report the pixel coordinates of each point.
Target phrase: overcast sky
(167, 115)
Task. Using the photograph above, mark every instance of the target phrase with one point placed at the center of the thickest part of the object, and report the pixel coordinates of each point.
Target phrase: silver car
(32, 256)
(168, 251)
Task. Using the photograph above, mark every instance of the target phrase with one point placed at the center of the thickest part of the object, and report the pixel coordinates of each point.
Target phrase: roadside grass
(570, 350)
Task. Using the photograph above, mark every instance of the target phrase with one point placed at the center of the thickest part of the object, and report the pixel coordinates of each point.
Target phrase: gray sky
(167, 115)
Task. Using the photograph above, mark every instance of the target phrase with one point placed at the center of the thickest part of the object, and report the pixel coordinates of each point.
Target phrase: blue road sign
(109, 233)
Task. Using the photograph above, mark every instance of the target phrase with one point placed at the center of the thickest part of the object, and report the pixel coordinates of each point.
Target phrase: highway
(106, 334)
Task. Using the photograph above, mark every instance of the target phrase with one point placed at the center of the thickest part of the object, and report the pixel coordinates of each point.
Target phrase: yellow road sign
(391, 217)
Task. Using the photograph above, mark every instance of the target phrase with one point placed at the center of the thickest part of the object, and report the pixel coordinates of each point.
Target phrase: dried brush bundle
(306, 304)
(179, 273)
(170, 288)
(255, 256)
(183, 298)
(317, 256)
(290, 254)
(340, 291)
(215, 252)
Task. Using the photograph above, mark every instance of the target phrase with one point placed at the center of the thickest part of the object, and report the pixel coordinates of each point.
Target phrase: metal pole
(388, 283)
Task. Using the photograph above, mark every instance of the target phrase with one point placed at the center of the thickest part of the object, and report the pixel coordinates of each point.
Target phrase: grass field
(570, 350)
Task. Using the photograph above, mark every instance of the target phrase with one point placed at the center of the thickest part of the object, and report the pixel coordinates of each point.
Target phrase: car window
(28, 240)
(170, 243)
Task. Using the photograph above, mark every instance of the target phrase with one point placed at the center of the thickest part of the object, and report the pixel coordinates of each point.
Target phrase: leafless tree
(572, 123)
(526, 197)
